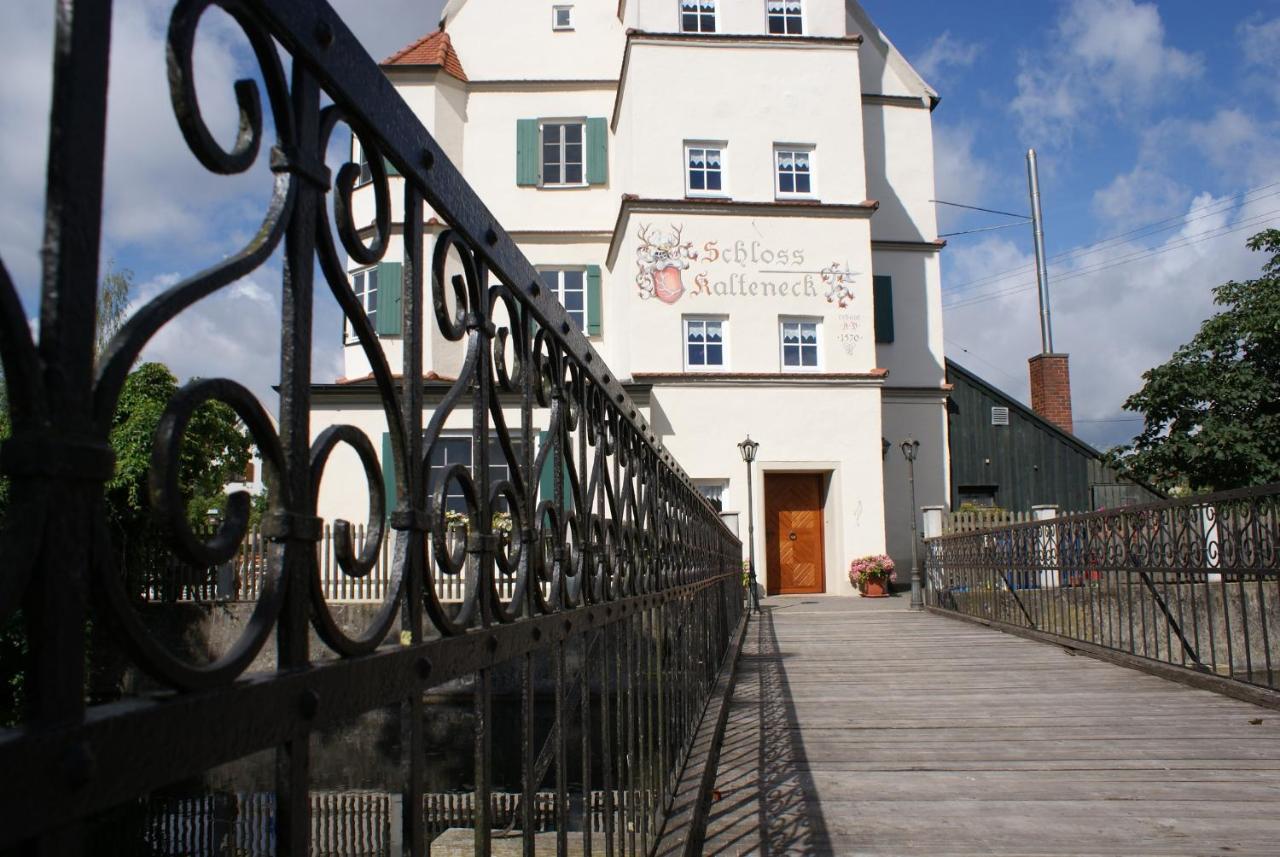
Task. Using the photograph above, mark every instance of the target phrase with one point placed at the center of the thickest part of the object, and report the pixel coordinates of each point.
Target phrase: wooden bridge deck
(858, 727)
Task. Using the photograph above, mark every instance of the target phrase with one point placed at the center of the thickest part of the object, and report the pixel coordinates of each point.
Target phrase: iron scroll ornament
(622, 546)
(621, 506)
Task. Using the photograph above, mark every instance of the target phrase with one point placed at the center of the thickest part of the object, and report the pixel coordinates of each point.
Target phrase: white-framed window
(453, 449)
(570, 288)
(801, 341)
(705, 343)
(563, 148)
(562, 17)
(793, 170)
(366, 175)
(704, 173)
(786, 17)
(697, 16)
(715, 490)
(364, 284)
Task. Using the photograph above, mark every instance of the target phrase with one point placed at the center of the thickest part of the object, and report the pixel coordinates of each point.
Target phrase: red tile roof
(434, 49)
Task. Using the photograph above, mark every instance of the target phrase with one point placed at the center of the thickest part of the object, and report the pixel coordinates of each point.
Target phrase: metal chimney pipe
(1042, 273)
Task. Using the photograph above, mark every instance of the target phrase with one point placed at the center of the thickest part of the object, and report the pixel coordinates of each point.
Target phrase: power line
(1219, 232)
(982, 359)
(1207, 210)
(978, 208)
(984, 229)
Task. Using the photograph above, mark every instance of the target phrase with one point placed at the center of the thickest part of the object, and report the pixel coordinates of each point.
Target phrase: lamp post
(910, 448)
(748, 449)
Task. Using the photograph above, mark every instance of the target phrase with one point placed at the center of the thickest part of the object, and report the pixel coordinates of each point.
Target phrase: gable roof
(1023, 410)
(432, 50)
(876, 39)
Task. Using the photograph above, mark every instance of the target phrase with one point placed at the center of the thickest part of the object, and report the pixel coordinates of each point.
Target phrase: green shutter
(882, 298)
(389, 472)
(527, 152)
(593, 300)
(390, 289)
(597, 151)
(546, 485)
(546, 488)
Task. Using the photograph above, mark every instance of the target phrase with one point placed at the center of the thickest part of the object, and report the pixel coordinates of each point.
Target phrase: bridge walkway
(858, 727)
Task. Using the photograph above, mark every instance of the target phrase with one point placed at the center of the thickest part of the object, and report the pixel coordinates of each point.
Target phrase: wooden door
(793, 533)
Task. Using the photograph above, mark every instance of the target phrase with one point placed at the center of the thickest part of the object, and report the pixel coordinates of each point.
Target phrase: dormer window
(562, 17)
(786, 17)
(697, 16)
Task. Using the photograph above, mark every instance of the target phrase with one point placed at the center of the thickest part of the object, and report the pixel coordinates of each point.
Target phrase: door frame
(773, 573)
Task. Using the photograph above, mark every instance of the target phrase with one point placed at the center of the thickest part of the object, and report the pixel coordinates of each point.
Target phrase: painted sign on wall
(665, 270)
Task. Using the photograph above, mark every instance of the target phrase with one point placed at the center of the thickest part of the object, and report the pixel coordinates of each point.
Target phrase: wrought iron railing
(1192, 583)
(641, 582)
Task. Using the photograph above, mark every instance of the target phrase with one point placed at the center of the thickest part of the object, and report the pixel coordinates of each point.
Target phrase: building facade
(733, 200)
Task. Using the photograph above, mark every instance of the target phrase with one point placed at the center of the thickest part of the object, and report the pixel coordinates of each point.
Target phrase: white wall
(745, 17)
(915, 358)
(772, 266)
(924, 418)
(811, 95)
(526, 46)
(831, 430)
(899, 150)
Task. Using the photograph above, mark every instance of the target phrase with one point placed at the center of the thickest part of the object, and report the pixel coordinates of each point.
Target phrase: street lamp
(910, 448)
(748, 449)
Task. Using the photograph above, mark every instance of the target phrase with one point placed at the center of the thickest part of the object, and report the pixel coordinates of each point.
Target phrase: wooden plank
(859, 727)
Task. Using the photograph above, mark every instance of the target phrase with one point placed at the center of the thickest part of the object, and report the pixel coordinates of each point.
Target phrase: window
(800, 344)
(366, 175)
(697, 16)
(704, 343)
(786, 17)
(562, 153)
(715, 490)
(456, 449)
(365, 286)
(704, 175)
(570, 287)
(562, 17)
(793, 166)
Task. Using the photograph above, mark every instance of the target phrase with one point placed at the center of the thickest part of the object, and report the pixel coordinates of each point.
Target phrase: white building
(733, 199)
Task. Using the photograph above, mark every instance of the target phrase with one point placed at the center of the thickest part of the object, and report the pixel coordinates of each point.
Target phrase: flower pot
(875, 589)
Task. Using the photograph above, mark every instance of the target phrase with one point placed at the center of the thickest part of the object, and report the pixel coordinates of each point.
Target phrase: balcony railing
(627, 591)
(1193, 584)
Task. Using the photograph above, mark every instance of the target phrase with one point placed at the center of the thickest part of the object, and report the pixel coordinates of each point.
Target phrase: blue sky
(1143, 113)
(1161, 113)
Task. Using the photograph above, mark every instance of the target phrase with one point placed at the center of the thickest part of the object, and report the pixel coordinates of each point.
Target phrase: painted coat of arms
(839, 282)
(661, 259)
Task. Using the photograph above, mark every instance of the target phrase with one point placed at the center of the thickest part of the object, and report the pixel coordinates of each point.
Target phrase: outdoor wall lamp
(910, 449)
(748, 449)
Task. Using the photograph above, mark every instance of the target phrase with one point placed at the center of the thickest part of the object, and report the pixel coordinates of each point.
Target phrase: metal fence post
(1047, 545)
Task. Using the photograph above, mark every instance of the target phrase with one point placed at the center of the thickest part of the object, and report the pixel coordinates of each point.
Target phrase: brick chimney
(1051, 389)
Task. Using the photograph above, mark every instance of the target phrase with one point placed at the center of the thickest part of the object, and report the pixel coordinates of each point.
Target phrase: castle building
(733, 200)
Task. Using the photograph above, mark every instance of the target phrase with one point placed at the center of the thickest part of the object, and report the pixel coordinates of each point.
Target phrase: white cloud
(1141, 196)
(1260, 42)
(960, 173)
(945, 52)
(1115, 320)
(164, 214)
(1106, 56)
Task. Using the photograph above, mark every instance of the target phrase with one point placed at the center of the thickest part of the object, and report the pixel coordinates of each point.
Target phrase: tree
(214, 451)
(1212, 412)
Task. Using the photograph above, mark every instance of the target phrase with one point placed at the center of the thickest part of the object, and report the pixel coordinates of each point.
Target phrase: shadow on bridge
(765, 800)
